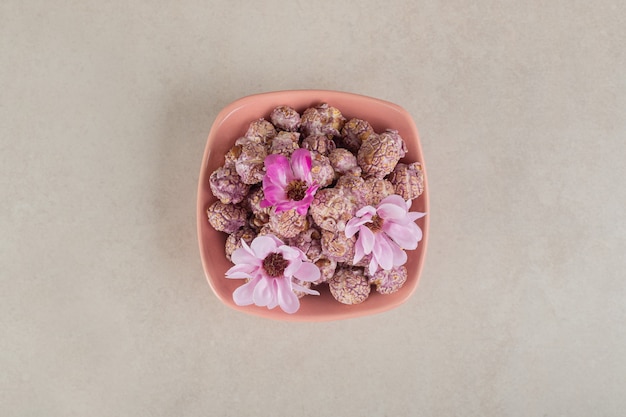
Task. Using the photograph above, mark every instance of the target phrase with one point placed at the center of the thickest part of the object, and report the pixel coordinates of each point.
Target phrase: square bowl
(230, 124)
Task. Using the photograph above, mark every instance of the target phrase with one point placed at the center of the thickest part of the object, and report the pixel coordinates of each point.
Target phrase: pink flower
(288, 184)
(385, 231)
(270, 266)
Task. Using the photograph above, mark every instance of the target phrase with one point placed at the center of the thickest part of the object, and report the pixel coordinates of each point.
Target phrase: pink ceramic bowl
(230, 124)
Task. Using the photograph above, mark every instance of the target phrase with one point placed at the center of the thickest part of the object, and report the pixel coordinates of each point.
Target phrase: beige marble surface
(104, 110)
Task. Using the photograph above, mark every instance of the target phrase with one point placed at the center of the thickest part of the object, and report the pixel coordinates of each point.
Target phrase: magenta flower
(385, 231)
(288, 184)
(270, 266)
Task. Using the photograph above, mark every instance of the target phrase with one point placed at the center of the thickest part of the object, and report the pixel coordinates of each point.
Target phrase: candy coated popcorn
(227, 185)
(226, 217)
(379, 154)
(408, 180)
(285, 118)
(349, 285)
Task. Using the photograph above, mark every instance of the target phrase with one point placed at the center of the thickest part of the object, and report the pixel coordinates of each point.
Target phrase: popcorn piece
(285, 118)
(408, 180)
(349, 285)
(327, 269)
(249, 164)
(231, 156)
(332, 208)
(233, 242)
(342, 160)
(376, 189)
(226, 185)
(354, 133)
(319, 143)
(353, 186)
(308, 242)
(351, 182)
(287, 223)
(321, 170)
(337, 247)
(379, 154)
(226, 217)
(260, 216)
(388, 282)
(285, 143)
(322, 120)
(261, 131)
(253, 201)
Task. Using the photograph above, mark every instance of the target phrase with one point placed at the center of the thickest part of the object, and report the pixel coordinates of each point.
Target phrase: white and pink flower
(287, 183)
(385, 231)
(271, 267)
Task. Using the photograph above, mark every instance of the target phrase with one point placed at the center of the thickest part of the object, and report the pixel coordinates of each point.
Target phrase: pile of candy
(315, 199)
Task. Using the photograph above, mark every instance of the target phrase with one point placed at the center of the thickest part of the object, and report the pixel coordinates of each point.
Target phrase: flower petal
(242, 296)
(273, 194)
(242, 256)
(391, 211)
(414, 215)
(262, 295)
(383, 254)
(291, 269)
(366, 210)
(404, 235)
(241, 271)
(399, 256)
(287, 300)
(373, 266)
(308, 271)
(298, 287)
(277, 169)
(394, 199)
(301, 164)
(359, 253)
(263, 246)
(367, 238)
(353, 226)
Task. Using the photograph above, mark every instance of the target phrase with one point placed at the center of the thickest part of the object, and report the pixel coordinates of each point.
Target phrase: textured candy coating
(231, 156)
(285, 118)
(388, 282)
(349, 285)
(249, 164)
(408, 180)
(308, 241)
(321, 170)
(253, 201)
(227, 185)
(332, 208)
(327, 269)
(337, 247)
(322, 120)
(342, 160)
(379, 154)
(285, 143)
(354, 133)
(376, 189)
(226, 217)
(261, 131)
(233, 241)
(319, 143)
(288, 223)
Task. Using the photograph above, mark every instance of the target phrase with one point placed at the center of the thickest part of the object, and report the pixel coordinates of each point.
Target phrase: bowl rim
(319, 95)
